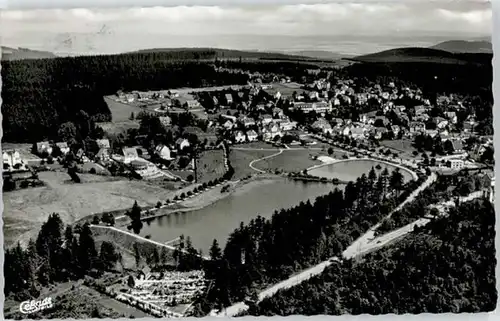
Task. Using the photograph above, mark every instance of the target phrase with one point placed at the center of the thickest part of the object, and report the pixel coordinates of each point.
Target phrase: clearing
(403, 147)
(26, 210)
(241, 158)
(289, 161)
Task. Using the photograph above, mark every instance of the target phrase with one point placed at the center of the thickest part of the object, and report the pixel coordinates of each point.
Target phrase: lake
(221, 218)
(352, 169)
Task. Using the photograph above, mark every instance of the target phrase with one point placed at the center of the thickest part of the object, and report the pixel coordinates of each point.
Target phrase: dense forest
(445, 188)
(39, 95)
(264, 252)
(409, 277)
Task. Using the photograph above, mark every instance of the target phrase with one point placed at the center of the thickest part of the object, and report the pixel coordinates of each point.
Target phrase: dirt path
(263, 158)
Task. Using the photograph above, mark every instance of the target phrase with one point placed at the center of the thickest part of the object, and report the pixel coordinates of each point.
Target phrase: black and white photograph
(248, 160)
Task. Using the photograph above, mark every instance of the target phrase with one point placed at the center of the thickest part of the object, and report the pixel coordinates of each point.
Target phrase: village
(178, 141)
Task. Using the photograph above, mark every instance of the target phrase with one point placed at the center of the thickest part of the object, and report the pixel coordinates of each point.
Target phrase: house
(452, 116)
(416, 127)
(130, 154)
(191, 104)
(233, 119)
(228, 124)
(182, 143)
(457, 146)
(469, 127)
(395, 129)
(163, 152)
(456, 164)
(240, 137)
(278, 112)
(103, 155)
(252, 135)
(357, 133)
(12, 159)
(165, 121)
(215, 100)
(43, 148)
(380, 132)
(382, 120)
(266, 119)
(103, 143)
(323, 125)
(419, 110)
(440, 122)
(431, 132)
(229, 98)
(271, 131)
(63, 147)
(287, 125)
(247, 121)
(368, 117)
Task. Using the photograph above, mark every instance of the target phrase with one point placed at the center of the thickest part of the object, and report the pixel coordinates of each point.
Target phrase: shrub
(158, 205)
(92, 171)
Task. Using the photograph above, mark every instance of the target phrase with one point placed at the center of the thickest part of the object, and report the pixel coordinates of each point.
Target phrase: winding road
(362, 245)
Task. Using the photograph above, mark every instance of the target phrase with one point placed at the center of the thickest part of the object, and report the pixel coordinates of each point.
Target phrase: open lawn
(119, 127)
(120, 112)
(26, 210)
(241, 159)
(401, 146)
(210, 165)
(289, 161)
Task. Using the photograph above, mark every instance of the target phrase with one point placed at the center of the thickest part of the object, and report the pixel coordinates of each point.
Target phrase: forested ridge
(265, 252)
(446, 266)
(39, 95)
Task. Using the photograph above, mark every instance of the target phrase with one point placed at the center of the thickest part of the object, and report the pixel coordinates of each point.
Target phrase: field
(241, 159)
(289, 161)
(26, 210)
(286, 89)
(210, 165)
(401, 146)
(120, 112)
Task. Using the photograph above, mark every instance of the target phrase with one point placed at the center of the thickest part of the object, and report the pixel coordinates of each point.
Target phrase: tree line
(264, 252)
(448, 266)
(445, 188)
(58, 254)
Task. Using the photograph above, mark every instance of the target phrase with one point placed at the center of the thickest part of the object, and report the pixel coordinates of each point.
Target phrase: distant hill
(24, 53)
(463, 46)
(426, 55)
(212, 53)
(318, 54)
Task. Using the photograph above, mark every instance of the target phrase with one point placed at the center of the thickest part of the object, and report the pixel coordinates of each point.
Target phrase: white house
(266, 119)
(130, 154)
(12, 158)
(456, 163)
(229, 98)
(43, 147)
(63, 147)
(103, 143)
(357, 133)
(182, 143)
(252, 135)
(228, 124)
(247, 121)
(163, 152)
(240, 137)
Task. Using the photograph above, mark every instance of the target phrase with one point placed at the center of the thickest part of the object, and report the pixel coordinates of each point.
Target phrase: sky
(342, 26)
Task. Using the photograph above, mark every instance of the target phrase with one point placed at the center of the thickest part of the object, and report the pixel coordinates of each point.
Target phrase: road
(362, 245)
(260, 159)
